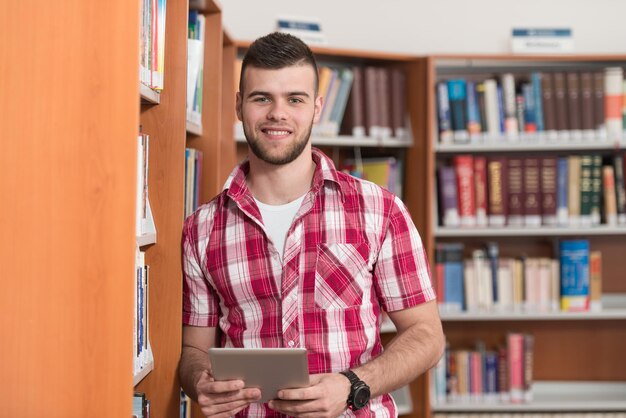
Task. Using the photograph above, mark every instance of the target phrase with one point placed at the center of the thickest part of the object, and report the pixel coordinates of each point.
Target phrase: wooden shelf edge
(148, 95)
(505, 145)
(554, 396)
(447, 232)
(194, 129)
(147, 239)
(143, 373)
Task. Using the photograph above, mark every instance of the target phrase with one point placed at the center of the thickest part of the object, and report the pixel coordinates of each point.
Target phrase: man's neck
(280, 184)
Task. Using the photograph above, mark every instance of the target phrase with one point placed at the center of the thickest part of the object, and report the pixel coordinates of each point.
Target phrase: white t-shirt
(278, 219)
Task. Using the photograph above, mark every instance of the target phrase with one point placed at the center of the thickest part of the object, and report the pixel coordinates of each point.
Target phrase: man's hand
(325, 398)
(225, 398)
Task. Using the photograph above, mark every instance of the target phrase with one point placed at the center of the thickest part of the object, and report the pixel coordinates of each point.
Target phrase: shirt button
(291, 343)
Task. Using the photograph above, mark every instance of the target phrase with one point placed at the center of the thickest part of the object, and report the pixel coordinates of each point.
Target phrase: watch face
(361, 397)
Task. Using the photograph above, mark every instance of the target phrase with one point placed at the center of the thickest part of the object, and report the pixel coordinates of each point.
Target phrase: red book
(464, 168)
(515, 351)
(480, 184)
(515, 181)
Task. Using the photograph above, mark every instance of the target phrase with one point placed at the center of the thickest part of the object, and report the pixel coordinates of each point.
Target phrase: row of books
(193, 179)
(142, 350)
(195, 66)
(383, 171)
(152, 43)
(501, 375)
(488, 282)
(572, 105)
(516, 191)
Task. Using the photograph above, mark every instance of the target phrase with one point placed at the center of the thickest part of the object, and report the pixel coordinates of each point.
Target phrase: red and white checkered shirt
(351, 251)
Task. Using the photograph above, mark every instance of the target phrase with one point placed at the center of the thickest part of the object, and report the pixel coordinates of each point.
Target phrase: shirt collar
(235, 186)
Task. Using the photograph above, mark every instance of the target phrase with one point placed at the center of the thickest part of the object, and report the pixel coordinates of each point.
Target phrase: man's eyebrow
(266, 93)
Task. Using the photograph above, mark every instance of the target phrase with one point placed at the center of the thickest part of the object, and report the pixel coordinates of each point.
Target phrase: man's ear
(319, 103)
(238, 105)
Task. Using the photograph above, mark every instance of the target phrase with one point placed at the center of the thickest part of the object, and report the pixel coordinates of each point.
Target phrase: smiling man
(293, 253)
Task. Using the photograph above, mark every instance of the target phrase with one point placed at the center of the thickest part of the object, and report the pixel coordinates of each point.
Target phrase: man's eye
(262, 99)
(296, 100)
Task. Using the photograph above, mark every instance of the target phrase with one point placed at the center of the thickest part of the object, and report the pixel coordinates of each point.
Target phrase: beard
(293, 150)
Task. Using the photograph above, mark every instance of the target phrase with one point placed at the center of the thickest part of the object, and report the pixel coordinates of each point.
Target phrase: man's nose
(277, 111)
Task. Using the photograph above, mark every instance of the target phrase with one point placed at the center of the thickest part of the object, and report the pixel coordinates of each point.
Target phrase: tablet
(269, 369)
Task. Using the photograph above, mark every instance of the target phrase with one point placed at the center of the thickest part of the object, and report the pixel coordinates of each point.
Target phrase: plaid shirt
(352, 249)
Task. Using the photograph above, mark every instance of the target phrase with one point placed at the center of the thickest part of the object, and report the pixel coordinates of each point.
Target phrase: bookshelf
(70, 116)
(590, 340)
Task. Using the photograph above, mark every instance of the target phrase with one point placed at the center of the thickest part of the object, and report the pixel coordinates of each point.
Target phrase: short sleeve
(200, 302)
(401, 272)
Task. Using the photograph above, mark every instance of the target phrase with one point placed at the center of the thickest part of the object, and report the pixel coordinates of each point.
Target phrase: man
(293, 253)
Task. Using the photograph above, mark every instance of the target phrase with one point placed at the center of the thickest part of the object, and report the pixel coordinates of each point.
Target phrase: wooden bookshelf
(591, 341)
(69, 114)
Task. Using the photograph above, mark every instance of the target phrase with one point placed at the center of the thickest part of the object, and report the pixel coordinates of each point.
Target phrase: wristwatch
(359, 391)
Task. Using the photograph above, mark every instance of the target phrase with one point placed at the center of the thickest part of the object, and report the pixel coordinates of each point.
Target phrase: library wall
(425, 27)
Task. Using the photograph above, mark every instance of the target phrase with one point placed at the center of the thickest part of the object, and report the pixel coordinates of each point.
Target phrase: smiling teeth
(278, 132)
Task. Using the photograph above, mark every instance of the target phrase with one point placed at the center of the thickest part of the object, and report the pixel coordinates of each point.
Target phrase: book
(480, 190)
(560, 98)
(562, 200)
(549, 106)
(443, 114)
(448, 201)
(398, 103)
(548, 190)
(573, 105)
(573, 190)
(515, 176)
(610, 202)
(586, 189)
(613, 102)
(497, 190)
(595, 281)
(464, 169)
(586, 104)
(574, 260)
(354, 121)
(620, 191)
(508, 93)
(457, 96)
(598, 104)
(532, 192)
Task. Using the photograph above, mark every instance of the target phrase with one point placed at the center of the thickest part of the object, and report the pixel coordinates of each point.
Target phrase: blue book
(530, 115)
(457, 94)
(501, 115)
(491, 373)
(562, 211)
(454, 288)
(443, 113)
(574, 258)
(473, 111)
(535, 78)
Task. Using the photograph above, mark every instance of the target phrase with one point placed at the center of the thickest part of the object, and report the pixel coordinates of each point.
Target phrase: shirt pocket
(340, 274)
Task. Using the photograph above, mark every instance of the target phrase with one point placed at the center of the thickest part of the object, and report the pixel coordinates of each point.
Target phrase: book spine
(491, 109)
(595, 281)
(573, 189)
(620, 192)
(473, 112)
(497, 190)
(398, 102)
(529, 343)
(443, 113)
(515, 176)
(515, 348)
(457, 94)
(586, 189)
(548, 190)
(508, 92)
(610, 202)
(613, 98)
(448, 206)
(530, 115)
(573, 105)
(574, 256)
(480, 184)
(453, 279)
(562, 211)
(598, 104)
(532, 192)
(586, 102)
(464, 167)
(560, 97)
(536, 85)
(548, 103)
(596, 189)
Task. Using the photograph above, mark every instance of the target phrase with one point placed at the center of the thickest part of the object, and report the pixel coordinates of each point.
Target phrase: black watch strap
(354, 379)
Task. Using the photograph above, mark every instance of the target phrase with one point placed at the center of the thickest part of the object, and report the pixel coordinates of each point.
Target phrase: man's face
(278, 109)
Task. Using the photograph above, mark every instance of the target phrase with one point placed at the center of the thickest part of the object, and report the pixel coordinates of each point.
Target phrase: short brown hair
(278, 50)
